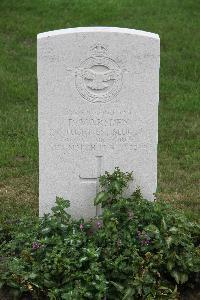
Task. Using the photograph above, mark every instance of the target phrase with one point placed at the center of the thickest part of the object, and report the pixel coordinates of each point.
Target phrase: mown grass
(177, 23)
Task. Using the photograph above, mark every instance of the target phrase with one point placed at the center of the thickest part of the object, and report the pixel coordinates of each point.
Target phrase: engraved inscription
(92, 132)
(98, 78)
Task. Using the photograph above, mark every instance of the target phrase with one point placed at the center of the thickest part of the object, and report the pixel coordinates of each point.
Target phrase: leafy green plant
(136, 249)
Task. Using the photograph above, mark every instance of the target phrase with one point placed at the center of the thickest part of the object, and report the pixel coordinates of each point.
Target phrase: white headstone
(98, 108)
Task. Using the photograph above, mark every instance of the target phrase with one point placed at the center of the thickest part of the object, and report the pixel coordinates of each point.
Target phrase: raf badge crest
(98, 78)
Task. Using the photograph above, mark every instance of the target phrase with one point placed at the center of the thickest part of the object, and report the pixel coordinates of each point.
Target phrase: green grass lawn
(178, 24)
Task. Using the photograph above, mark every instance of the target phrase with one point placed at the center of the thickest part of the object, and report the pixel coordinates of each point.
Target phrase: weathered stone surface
(98, 108)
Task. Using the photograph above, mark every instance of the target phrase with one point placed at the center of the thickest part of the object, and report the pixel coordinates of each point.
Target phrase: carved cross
(95, 180)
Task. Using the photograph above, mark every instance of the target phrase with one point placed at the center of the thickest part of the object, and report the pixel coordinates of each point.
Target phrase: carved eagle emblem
(99, 80)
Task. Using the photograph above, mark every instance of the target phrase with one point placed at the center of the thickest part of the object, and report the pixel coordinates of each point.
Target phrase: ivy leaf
(48, 283)
(62, 202)
(129, 294)
(152, 229)
(170, 265)
(163, 223)
(83, 259)
(169, 241)
(176, 276)
(101, 197)
(46, 230)
(117, 186)
(173, 229)
(183, 277)
(118, 286)
(32, 275)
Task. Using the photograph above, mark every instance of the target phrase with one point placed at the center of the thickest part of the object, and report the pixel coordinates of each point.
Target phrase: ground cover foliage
(177, 23)
(136, 249)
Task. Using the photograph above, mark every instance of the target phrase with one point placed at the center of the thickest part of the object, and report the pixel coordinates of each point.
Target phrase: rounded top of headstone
(97, 29)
